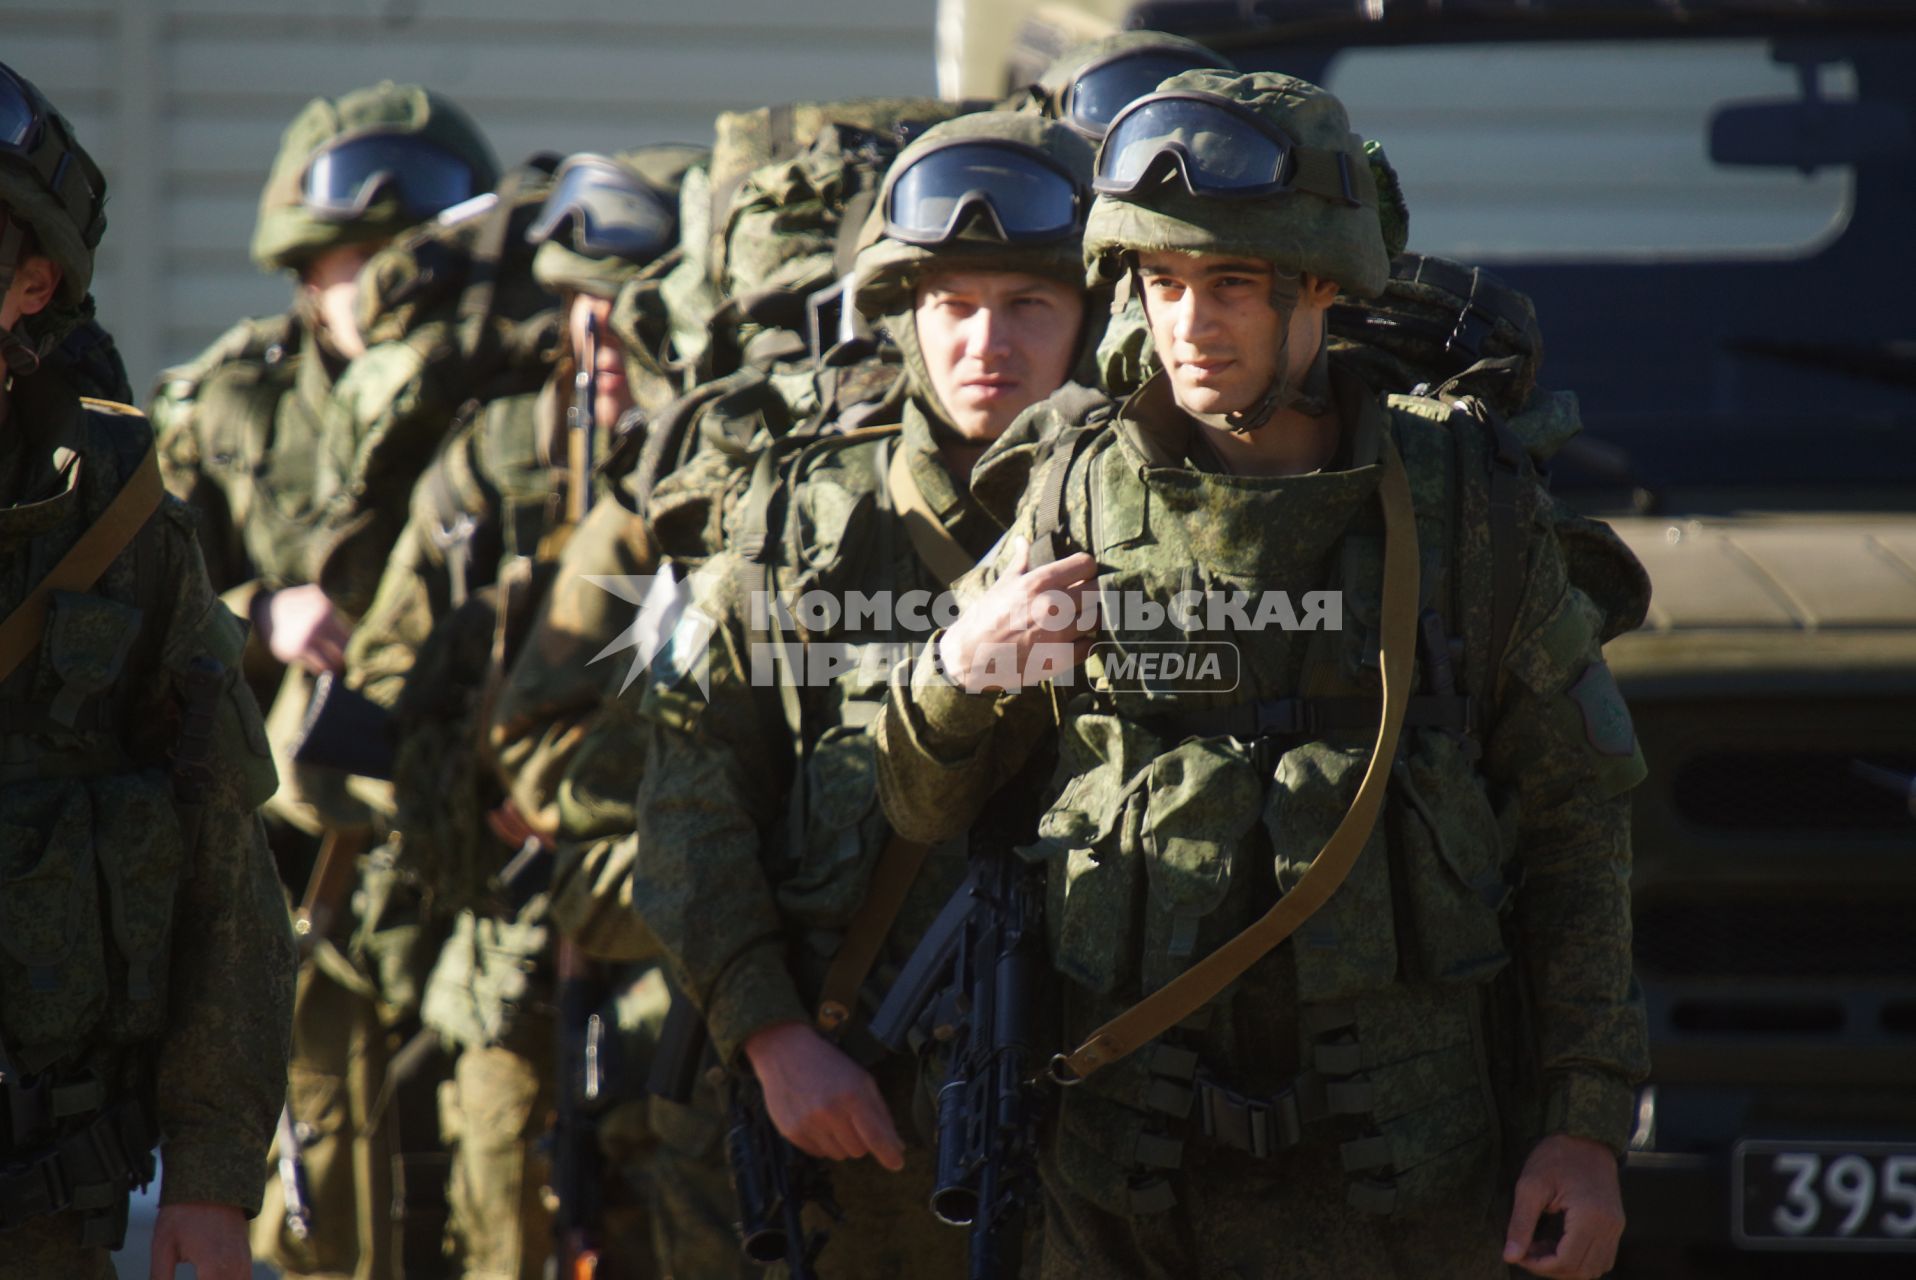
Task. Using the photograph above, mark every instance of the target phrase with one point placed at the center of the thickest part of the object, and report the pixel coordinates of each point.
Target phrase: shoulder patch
(1606, 718)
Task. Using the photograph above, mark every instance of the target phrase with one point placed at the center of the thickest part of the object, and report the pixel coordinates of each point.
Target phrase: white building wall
(182, 102)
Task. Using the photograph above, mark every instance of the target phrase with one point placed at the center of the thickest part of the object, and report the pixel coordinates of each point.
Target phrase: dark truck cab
(1750, 428)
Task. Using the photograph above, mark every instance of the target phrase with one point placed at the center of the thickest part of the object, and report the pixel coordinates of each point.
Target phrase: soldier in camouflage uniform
(756, 821)
(242, 425)
(242, 432)
(1458, 1016)
(488, 518)
(146, 978)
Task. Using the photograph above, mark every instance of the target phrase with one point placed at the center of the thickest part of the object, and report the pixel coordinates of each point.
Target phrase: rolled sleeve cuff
(755, 992)
(213, 1173)
(1589, 1104)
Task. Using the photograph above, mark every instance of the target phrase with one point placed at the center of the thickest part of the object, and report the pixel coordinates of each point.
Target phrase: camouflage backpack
(787, 191)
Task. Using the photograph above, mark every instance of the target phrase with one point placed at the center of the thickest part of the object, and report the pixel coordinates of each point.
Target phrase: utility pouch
(1449, 856)
(1420, 1084)
(1200, 799)
(1349, 946)
(1093, 836)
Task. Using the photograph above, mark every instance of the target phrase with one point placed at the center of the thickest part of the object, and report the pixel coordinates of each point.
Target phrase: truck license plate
(1852, 1196)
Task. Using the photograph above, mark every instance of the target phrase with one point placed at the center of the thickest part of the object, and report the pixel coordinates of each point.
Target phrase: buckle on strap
(1260, 1126)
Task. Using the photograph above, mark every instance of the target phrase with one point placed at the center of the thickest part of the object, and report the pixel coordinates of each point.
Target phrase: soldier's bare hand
(1029, 626)
(825, 1104)
(1577, 1178)
(300, 626)
(212, 1237)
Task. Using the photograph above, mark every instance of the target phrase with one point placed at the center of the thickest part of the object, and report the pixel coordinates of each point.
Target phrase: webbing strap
(1198, 985)
(1506, 567)
(85, 560)
(1051, 540)
(941, 553)
(892, 879)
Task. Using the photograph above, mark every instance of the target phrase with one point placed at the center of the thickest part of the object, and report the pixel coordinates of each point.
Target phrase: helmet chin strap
(1311, 397)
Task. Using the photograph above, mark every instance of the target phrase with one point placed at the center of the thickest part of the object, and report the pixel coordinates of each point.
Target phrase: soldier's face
(612, 395)
(1219, 336)
(995, 343)
(332, 281)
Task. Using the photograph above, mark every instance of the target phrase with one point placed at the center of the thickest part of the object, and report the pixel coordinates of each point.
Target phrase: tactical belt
(91, 1169)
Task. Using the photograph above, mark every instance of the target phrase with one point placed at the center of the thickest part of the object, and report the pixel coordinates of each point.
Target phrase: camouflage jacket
(241, 429)
(147, 943)
(1162, 810)
(755, 848)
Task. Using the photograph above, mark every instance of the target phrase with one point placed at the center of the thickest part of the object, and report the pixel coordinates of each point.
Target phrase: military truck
(1712, 205)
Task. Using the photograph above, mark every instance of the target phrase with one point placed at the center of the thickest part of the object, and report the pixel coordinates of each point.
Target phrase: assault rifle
(975, 986)
(772, 1179)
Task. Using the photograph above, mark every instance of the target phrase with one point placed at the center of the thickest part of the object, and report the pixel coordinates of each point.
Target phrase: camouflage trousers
(337, 1070)
(47, 1247)
(689, 1190)
(494, 1113)
(888, 1228)
(1282, 1219)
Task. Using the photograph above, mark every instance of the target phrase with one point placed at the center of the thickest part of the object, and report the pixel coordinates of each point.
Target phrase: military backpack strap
(1397, 651)
(892, 878)
(941, 553)
(1050, 533)
(85, 560)
(901, 860)
(1509, 465)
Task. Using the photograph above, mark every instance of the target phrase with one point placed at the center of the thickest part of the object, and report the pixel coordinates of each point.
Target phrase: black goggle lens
(1101, 92)
(1028, 197)
(344, 179)
(1217, 149)
(609, 212)
(19, 118)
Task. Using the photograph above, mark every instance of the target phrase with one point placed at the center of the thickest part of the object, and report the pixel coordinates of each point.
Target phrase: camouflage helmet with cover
(290, 234)
(53, 198)
(1141, 50)
(1296, 231)
(886, 270)
(569, 259)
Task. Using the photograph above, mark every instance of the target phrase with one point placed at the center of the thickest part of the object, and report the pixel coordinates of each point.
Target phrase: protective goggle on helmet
(346, 175)
(1103, 88)
(607, 210)
(1218, 148)
(1024, 195)
(31, 135)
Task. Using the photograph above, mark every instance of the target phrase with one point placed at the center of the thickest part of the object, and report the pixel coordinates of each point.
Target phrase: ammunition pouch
(92, 1169)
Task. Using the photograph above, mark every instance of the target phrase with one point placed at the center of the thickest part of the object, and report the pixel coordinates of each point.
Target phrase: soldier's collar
(1167, 436)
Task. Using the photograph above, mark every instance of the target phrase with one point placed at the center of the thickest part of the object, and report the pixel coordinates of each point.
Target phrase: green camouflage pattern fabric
(887, 270)
(1383, 986)
(1126, 359)
(287, 235)
(240, 429)
(560, 265)
(746, 919)
(187, 985)
(24, 193)
(1292, 230)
